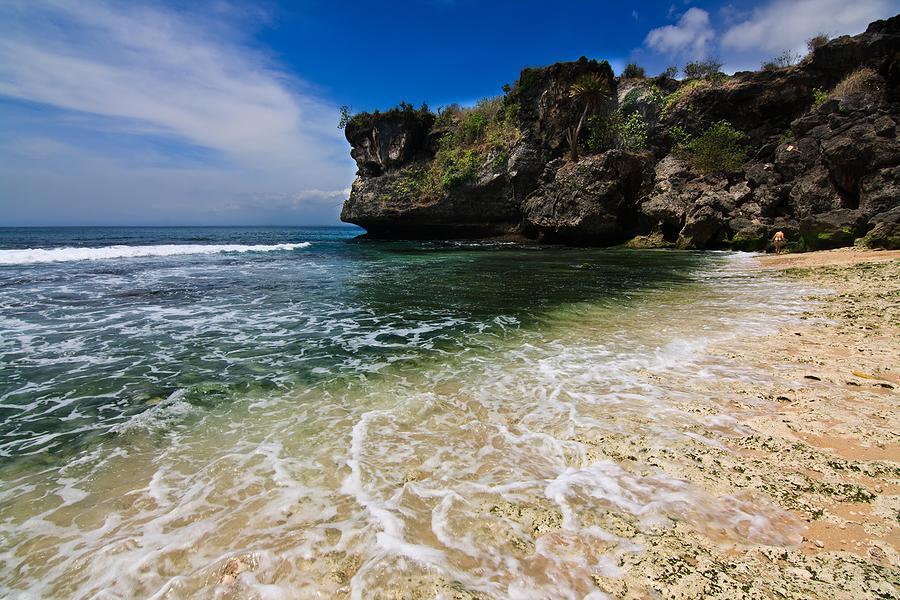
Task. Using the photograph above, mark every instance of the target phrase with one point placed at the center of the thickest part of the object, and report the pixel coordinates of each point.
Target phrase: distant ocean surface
(337, 415)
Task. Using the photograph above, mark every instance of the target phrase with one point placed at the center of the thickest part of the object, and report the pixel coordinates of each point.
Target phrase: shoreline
(819, 439)
(826, 258)
(716, 451)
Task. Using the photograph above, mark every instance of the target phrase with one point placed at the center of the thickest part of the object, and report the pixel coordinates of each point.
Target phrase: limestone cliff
(815, 154)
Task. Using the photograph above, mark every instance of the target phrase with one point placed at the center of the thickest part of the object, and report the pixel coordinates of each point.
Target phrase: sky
(225, 112)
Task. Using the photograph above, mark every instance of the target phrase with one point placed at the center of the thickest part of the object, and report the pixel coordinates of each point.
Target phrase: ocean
(297, 412)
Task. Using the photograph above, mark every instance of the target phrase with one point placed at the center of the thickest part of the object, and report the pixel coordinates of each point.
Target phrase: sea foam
(45, 255)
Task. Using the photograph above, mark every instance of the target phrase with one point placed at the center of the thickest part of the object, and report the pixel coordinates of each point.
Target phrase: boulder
(674, 191)
(814, 193)
(879, 192)
(832, 229)
(591, 202)
(749, 235)
(706, 223)
(885, 232)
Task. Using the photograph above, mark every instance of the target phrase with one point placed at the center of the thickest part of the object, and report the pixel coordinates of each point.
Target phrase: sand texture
(825, 446)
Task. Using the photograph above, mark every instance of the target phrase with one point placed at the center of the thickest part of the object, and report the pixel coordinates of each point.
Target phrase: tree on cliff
(589, 91)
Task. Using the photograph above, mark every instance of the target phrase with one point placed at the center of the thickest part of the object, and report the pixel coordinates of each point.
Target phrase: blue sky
(224, 112)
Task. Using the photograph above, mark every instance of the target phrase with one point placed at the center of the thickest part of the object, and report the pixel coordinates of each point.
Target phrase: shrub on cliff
(633, 132)
(817, 41)
(819, 97)
(457, 165)
(588, 93)
(616, 130)
(472, 126)
(411, 182)
(633, 71)
(346, 115)
(679, 137)
(700, 69)
(649, 94)
(447, 116)
(404, 110)
(786, 59)
(719, 149)
(601, 133)
(683, 94)
(472, 137)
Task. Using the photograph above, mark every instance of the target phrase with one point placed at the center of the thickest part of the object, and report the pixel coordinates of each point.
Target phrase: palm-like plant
(590, 91)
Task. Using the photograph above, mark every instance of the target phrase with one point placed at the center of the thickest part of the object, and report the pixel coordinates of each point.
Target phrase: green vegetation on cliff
(363, 120)
(616, 130)
(473, 138)
(719, 149)
(470, 139)
(590, 92)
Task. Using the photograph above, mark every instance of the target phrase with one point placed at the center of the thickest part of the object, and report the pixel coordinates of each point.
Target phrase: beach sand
(817, 442)
(824, 444)
(827, 258)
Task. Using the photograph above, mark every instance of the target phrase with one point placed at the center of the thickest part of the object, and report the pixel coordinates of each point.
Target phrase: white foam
(403, 472)
(67, 254)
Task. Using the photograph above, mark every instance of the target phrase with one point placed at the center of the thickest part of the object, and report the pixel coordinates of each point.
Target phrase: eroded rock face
(590, 202)
(487, 207)
(825, 176)
(546, 108)
(387, 142)
(886, 230)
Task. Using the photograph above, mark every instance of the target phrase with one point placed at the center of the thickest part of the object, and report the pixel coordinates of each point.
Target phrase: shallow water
(335, 417)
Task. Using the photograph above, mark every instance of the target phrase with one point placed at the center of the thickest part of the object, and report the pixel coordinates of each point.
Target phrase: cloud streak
(150, 72)
(787, 24)
(743, 40)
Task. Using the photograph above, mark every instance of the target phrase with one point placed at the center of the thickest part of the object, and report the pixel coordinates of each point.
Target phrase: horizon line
(170, 226)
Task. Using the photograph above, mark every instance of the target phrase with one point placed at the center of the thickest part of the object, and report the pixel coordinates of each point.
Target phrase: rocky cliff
(712, 162)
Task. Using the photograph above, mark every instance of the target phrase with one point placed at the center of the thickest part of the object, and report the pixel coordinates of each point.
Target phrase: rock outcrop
(822, 158)
(590, 199)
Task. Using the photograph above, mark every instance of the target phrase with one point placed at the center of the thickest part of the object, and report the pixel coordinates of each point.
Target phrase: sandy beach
(821, 442)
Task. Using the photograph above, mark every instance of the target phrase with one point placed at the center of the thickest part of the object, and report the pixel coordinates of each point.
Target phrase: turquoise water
(335, 414)
(86, 344)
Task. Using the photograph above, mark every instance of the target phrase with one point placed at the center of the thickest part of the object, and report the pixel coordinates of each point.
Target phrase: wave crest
(70, 253)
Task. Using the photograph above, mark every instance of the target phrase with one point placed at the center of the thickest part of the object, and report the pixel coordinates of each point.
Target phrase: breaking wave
(67, 254)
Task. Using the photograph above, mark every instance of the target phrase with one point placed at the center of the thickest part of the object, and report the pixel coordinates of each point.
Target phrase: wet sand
(817, 441)
(823, 443)
(826, 258)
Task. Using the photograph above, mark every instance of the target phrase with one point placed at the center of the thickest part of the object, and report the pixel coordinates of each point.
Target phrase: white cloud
(156, 68)
(149, 72)
(743, 39)
(689, 38)
(290, 200)
(787, 24)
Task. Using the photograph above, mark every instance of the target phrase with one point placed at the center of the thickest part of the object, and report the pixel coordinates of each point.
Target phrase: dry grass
(861, 80)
